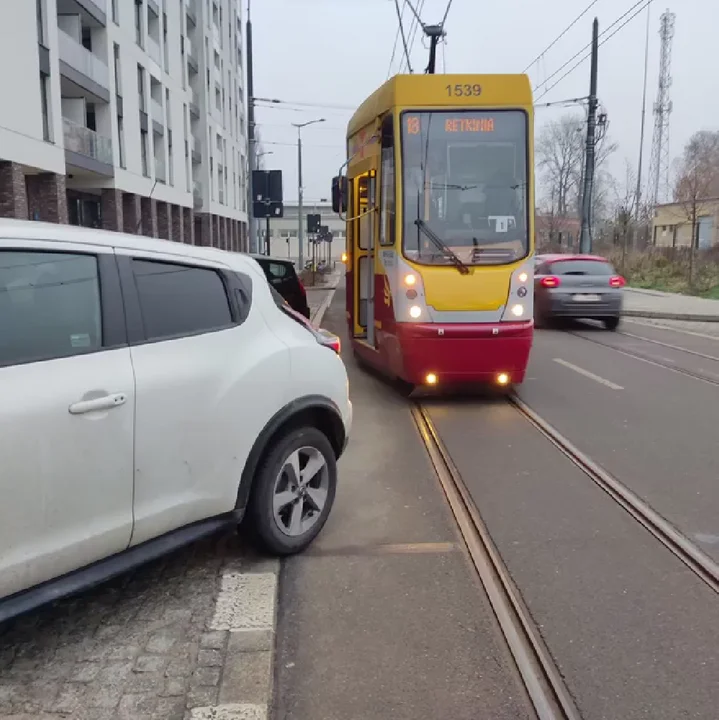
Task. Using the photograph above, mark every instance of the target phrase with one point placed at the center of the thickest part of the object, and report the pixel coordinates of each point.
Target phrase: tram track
(542, 680)
(550, 697)
(656, 361)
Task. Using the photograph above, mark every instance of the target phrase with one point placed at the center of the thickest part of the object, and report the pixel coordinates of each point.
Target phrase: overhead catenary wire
(605, 39)
(400, 33)
(415, 25)
(562, 34)
(644, 3)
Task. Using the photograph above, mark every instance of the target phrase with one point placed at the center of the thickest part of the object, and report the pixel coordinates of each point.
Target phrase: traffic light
(313, 223)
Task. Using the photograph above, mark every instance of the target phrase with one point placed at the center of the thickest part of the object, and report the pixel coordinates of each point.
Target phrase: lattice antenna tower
(659, 185)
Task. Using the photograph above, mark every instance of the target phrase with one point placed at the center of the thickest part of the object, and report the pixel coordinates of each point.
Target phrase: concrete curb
(658, 315)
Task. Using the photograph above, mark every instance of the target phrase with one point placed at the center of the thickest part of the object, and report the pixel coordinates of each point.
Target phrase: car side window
(49, 305)
(278, 270)
(177, 300)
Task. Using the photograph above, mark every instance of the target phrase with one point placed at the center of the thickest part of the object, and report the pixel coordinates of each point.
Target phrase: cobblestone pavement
(189, 636)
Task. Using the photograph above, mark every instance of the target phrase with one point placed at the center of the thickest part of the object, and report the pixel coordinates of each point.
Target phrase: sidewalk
(669, 306)
(320, 296)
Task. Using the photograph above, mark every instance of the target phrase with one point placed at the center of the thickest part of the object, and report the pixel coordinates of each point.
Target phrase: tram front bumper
(464, 353)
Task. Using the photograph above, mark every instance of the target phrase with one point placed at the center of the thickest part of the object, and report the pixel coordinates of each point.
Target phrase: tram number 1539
(460, 90)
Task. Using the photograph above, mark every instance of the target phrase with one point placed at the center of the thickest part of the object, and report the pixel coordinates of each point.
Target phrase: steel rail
(654, 361)
(675, 541)
(542, 680)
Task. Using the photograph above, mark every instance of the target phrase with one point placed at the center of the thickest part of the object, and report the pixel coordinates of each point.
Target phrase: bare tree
(560, 153)
(625, 203)
(697, 181)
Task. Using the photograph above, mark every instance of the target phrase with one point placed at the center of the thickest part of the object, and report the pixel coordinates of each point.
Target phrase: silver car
(577, 286)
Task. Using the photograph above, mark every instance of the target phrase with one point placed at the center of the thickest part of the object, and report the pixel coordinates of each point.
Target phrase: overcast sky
(333, 53)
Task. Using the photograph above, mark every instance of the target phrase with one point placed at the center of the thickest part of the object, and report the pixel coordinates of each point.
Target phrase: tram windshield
(465, 182)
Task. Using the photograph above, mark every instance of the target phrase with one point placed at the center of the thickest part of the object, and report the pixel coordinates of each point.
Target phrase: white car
(151, 393)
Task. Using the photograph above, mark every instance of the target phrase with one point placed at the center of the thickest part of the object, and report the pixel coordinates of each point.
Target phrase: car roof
(556, 257)
(269, 258)
(31, 230)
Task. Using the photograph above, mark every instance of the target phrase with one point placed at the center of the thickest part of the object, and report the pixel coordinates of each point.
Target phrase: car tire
(611, 323)
(277, 523)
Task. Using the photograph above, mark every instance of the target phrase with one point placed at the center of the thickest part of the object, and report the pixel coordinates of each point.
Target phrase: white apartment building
(127, 115)
(284, 233)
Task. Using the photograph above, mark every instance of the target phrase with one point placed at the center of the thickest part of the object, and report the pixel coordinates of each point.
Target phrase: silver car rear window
(581, 267)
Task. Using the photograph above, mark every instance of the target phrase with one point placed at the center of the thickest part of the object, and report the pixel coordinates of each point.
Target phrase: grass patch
(667, 269)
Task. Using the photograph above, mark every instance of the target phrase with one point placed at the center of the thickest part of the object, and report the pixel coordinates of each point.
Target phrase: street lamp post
(267, 218)
(300, 226)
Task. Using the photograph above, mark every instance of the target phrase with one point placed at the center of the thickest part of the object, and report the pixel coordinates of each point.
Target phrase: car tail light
(551, 281)
(323, 337)
(302, 287)
(617, 281)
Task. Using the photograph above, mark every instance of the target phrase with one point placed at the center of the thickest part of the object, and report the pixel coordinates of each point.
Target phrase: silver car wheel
(300, 491)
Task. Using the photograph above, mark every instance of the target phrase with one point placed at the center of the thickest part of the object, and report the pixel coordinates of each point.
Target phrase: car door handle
(107, 402)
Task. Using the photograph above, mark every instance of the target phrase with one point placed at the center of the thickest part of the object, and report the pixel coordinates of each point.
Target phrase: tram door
(364, 255)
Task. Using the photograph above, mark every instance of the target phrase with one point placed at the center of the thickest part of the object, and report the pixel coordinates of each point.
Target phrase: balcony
(191, 10)
(195, 150)
(86, 143)
(153, 50)
(96, 9)
(191, 58)
(156, 112)
(160, 170)
(82, 61)
(194, 102)
(197, 194)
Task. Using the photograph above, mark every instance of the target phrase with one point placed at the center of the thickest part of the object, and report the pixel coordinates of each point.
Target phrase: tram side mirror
(339, 194)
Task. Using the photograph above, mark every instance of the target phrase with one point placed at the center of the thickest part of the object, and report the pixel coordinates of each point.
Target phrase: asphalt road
(378, 620)
(650, 426)
(384, 616)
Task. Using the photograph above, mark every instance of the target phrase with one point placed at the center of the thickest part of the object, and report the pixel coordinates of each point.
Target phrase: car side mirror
(339, 194)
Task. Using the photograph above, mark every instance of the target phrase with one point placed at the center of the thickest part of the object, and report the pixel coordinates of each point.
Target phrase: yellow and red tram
(439, 204)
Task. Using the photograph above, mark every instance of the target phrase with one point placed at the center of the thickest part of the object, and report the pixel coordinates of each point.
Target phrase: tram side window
(387, 180)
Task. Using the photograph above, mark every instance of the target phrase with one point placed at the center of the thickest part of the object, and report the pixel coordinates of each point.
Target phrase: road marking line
(230, 712)
(246, 602)
(421, 548)
(588, 374)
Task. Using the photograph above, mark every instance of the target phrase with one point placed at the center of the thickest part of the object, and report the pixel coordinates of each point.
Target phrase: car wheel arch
(312, 410)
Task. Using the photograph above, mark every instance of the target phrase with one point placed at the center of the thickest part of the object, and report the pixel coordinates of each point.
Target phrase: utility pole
(638, 193)
(250, 134)
(585, 242)
(300, 223)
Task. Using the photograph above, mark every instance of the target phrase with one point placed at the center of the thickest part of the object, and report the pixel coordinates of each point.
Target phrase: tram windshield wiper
(422, 225)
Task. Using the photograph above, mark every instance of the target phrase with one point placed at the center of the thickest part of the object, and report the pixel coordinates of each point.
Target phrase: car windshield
(580, 267)
(465, 180)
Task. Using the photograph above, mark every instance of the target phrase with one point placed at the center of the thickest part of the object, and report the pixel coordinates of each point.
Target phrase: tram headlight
(503, 379)
(344, 257)
(522, 277)
(430, 378)
(410, 280)
(415, 311)
(518, 310)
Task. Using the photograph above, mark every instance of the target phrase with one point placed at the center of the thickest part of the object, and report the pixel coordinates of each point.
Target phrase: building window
(141, 87)
(121, 141)
(116, 60)
(114, 13)
(143, 151)
(218, 100)
(46, 134)
(40, 22)
(170, 163)
(138, 23)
